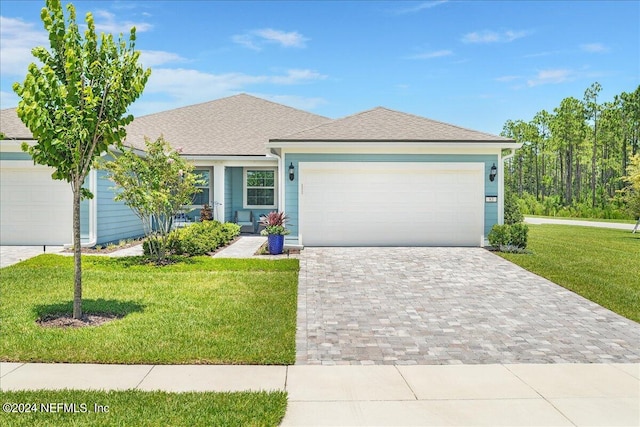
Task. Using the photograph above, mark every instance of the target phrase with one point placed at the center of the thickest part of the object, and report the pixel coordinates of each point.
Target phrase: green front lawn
(621, 221)
(140, 408)
(198, 311)
(600, 264)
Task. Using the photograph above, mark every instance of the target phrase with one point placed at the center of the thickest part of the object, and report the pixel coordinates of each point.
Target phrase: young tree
(592, 109)
(75, 104)
(155, 186)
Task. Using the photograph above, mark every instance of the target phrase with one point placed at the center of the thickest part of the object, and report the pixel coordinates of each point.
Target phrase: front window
(259, 188)
(202, 198)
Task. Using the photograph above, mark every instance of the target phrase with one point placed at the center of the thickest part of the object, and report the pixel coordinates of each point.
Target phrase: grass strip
(141, 408)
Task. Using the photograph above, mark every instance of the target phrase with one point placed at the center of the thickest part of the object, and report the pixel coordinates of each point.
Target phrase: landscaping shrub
(499, 235)
(519, 233)
(508, 236)
(200, 238)
(512, 212)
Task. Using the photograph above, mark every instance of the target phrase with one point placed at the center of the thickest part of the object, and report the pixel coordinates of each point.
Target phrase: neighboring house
(37, 210)
(380, 177)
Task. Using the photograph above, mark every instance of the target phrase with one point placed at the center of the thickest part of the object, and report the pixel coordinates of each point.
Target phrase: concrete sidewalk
(443, 395)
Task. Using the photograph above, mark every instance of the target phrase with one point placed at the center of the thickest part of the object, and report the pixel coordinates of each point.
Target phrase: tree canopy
(573, 158)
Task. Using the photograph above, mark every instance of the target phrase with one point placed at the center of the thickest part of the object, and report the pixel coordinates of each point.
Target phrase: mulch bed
(106, 250)
(66, 320)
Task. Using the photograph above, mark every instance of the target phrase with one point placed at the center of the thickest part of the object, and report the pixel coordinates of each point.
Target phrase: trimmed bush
(200, 238)
(509, 236)
(499, 235)
(519, 233)
(512, 212)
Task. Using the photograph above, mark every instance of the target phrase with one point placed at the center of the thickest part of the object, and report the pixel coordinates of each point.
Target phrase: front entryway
(446, 306)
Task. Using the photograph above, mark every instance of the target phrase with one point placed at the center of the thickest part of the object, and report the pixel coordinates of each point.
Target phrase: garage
(391, 203)
(35, 209)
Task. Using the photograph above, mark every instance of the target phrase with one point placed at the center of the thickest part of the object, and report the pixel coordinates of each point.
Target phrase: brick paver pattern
(446, 306)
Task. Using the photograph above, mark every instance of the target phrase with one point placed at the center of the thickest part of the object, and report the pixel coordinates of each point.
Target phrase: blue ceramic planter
(275, 243)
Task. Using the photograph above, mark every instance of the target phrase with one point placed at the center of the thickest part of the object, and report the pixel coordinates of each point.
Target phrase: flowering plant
(273, 223)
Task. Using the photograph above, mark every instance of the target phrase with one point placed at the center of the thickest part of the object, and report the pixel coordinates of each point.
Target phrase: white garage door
(391, 204)
(34, 208)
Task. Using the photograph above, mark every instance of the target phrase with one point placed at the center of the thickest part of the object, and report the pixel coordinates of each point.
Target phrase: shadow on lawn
(101, 306)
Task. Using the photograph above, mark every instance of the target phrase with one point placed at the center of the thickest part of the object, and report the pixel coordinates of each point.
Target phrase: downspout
(501, 186)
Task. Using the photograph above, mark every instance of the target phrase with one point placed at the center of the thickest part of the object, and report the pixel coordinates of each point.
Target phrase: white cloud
(290, 39)
(545, 53)
(433, 54)
(551, 77)
(422, 6)
(488, 36)
(296, 76)
(17, 38)
(257, 38)
(245, 40)
(106, 22)
(171, 88)
(183, 83)
(594, 48)
(153, 58)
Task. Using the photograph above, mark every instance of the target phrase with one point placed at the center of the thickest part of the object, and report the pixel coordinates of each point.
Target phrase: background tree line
(574, 159)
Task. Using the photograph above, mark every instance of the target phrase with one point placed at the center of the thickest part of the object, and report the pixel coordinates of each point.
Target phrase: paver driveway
(446, 306)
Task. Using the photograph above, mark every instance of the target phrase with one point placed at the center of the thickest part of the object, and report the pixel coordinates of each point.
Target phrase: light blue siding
(291, 187)
(116, 221)
(233, 197)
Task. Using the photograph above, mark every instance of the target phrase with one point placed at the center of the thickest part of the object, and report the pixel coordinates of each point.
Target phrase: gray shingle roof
(382, 124)
(237, 125)
(12, 126)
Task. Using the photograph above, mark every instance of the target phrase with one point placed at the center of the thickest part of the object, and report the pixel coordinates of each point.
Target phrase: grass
(600, 264)
(198, 311)
(139, 408)
(622, 221)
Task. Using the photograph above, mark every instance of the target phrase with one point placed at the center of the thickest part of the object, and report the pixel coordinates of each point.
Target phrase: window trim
(244, 187)
(209, 187)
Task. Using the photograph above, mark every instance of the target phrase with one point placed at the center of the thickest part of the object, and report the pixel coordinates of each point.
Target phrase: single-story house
(380, 177)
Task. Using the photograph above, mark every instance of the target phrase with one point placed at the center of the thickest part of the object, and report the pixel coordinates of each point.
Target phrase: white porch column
(218, 192)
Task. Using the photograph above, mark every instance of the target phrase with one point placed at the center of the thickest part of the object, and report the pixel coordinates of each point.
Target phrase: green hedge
(509, 235)
(200, 238)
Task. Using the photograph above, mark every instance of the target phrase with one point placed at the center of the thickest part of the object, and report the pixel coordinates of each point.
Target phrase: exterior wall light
(292, 170)
(492, 173)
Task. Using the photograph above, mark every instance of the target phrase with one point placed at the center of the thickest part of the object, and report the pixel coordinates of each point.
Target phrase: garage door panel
(35, 209)
(391, 204)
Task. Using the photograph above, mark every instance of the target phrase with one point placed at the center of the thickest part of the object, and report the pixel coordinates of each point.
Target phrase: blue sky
(471, 63)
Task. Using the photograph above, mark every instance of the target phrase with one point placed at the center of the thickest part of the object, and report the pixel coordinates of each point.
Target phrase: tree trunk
(594, 154)
(77, 252)
(569, 170)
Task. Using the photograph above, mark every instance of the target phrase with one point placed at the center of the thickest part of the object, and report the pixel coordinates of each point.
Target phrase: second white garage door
(391, 204)
(35, 209)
